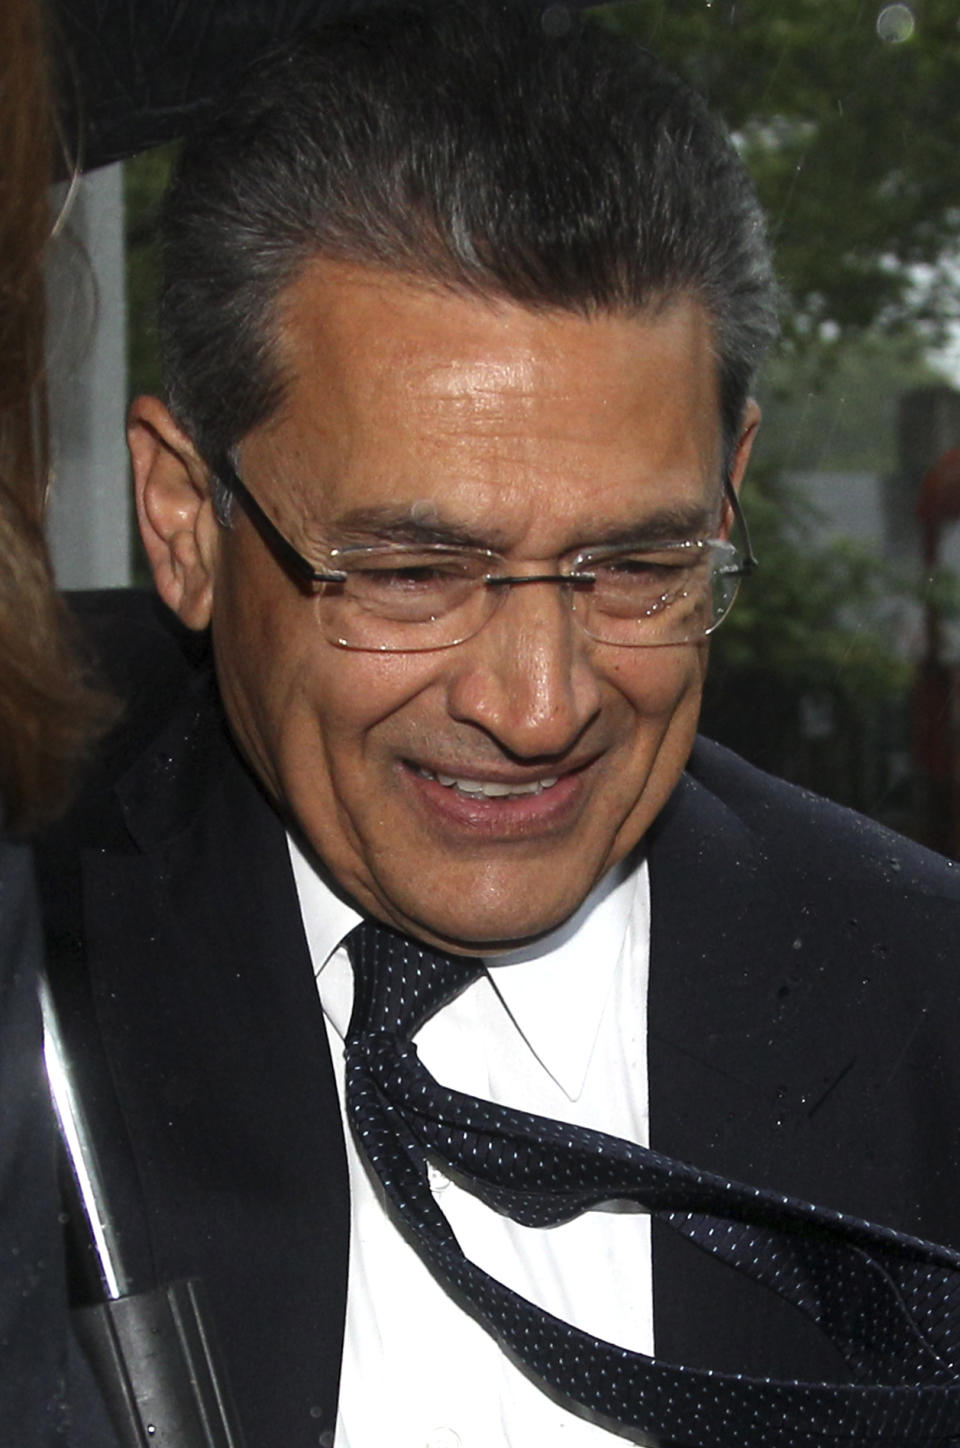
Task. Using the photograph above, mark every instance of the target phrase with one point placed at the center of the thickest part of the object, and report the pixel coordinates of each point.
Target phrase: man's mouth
(491, 789)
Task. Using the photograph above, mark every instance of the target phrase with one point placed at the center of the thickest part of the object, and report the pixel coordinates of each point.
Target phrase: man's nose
(528, 677)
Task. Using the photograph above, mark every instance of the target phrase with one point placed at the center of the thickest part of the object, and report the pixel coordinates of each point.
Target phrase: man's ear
(748, 434)
(174, 510)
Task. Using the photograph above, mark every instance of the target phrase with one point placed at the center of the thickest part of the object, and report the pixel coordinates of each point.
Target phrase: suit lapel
(206, 1002)
(742, 1041)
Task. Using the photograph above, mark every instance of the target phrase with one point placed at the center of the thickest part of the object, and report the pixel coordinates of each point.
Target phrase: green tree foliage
(803, 678)
(834, 406)
(819, 610)
(145, 179)
(847, 115)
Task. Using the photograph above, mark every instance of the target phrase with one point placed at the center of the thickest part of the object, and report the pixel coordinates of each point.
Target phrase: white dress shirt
(558, 1029)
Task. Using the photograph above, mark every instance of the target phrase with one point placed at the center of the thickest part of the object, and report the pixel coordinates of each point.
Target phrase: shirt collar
(327, 918)
(554, 990)
(327, 921)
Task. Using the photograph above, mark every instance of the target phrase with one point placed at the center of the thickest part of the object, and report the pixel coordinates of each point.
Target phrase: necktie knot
(399, 982)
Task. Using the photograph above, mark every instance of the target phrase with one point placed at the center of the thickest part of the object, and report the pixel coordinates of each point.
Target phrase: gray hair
(481, 146)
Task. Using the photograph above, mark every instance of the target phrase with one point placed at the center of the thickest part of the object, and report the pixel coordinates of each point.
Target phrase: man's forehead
(359, 332)
(404, 397)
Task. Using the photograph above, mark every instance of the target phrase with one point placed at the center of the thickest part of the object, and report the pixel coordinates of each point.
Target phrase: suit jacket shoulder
(812, 952)
(146, 660)
(821, 840)
(189, 1005)
(803, 1018)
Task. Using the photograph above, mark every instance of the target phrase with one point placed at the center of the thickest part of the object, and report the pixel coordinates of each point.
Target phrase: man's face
(535, 434)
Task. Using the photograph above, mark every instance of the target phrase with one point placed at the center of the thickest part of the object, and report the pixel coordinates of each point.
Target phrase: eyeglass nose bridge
(511, 580)
(500, 584)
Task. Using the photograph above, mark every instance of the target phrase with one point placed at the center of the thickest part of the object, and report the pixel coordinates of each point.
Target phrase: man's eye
(642, 567)
(414, 576)
(391, 576)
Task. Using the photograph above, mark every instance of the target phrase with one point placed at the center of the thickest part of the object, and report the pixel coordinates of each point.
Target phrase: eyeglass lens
(411, 602)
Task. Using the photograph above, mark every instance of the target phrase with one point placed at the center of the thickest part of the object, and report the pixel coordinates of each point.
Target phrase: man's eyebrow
(666, 525)
(388, 524)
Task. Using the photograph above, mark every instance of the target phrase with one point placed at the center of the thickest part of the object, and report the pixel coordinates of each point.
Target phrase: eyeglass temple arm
(750, 561)
(302, 569)
(288, 556)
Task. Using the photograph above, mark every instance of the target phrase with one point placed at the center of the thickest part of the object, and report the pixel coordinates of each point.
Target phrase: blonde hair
(47, 711)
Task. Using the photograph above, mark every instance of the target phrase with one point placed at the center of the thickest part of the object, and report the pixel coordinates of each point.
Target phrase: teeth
(491, 789)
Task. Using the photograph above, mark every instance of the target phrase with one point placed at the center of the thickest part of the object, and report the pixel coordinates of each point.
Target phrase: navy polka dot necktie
(889, 1302)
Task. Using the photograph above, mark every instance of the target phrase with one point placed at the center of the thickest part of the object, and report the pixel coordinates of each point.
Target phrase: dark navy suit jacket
(804, 1031)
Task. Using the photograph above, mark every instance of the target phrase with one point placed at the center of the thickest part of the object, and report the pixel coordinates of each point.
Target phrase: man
(461, 312)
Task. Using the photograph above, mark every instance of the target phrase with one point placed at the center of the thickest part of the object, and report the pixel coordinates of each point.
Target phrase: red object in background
(939, 499)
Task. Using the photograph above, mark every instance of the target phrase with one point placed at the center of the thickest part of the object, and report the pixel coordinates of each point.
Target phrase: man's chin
(487, 932)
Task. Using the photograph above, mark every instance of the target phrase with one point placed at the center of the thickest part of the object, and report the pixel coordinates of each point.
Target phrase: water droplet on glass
(895, 24)
(444, 1438)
